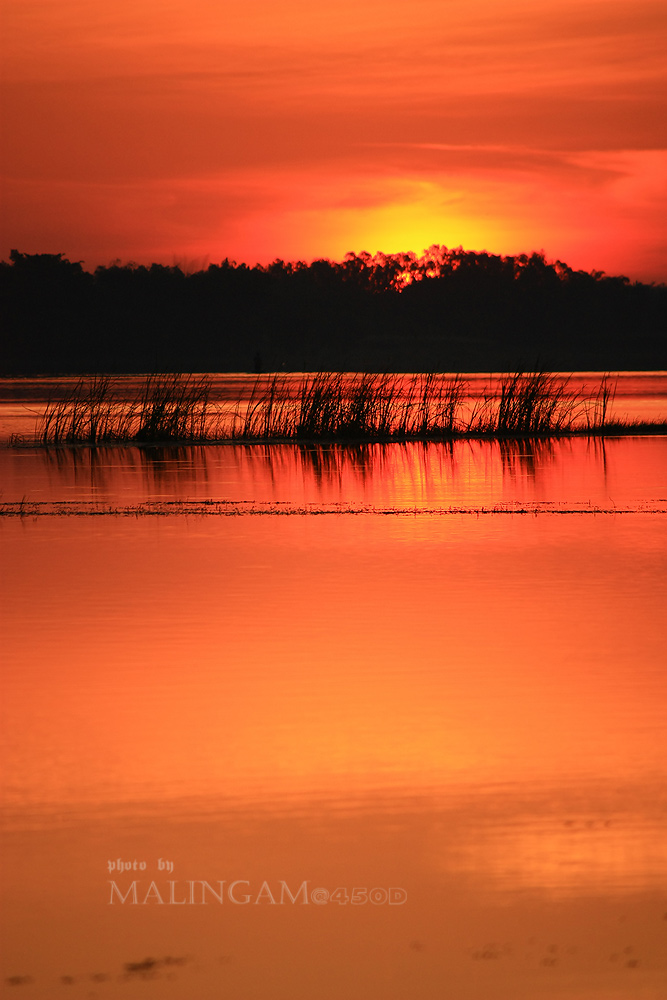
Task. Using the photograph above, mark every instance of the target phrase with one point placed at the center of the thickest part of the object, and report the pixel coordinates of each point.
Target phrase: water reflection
(524, 458)
(616, 472)
(470, 709)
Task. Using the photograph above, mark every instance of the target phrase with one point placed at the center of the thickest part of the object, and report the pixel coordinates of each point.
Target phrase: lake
(293, 722)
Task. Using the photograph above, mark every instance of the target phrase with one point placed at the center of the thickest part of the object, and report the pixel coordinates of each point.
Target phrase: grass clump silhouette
(85, 414)
(334, 406)
(169, 408)
(173, 408)
(537, 404)
(326, 407)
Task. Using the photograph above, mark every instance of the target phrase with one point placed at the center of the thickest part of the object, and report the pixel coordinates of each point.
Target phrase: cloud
(164, 127)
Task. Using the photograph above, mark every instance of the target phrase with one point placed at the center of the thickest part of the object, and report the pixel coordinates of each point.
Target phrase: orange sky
(189, 132)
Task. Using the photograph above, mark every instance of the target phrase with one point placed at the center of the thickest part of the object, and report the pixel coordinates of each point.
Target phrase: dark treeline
(448, 310)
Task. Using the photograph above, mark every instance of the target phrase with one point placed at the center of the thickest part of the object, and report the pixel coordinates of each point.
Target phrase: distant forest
(448, 310)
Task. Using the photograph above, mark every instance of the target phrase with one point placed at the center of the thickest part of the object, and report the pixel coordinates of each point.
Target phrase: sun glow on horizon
(389, 216)
(151, 133)
(329, 216)
(420, 214)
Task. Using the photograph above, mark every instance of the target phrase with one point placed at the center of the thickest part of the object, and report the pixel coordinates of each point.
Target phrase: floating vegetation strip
(236, 508)
(327, 407)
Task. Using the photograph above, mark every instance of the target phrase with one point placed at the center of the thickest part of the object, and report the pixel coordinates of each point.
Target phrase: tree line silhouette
(447, 310)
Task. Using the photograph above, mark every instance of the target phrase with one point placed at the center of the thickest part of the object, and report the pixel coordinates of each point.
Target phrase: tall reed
(89, 413)
(325, 407)
(331, 406)
(596, 408)
(168, 408)
(534, 403)
(173, 408)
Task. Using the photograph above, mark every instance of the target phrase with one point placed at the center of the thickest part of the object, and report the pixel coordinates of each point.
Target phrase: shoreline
(611, 430)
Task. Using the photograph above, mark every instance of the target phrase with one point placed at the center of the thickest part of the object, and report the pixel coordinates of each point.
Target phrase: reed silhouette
(178, 409)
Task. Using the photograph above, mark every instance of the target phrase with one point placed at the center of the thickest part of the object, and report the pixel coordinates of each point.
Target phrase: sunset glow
(190, 133)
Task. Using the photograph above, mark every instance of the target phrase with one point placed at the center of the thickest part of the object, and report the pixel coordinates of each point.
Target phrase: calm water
(429, 670)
